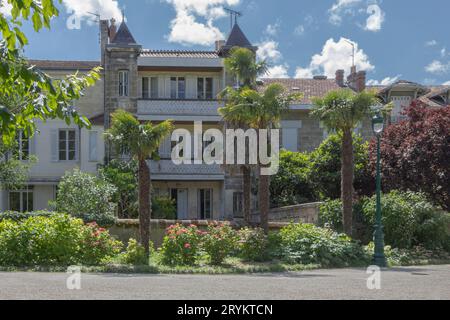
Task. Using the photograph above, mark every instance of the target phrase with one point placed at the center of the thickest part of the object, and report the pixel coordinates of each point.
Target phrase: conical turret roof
(123, 35)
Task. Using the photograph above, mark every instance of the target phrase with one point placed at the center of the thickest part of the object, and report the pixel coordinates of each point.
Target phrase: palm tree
(259, 111)
(242, 65)
(140, 141)
(341, 111)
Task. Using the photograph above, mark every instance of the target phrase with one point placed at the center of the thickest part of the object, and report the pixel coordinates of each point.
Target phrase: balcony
(167, 170)
(178, 110)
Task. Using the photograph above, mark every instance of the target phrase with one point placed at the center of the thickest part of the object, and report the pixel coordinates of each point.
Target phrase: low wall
(127, 229)
(304, 213)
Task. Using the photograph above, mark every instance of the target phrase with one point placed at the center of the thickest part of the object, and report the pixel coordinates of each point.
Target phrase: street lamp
(378, 259)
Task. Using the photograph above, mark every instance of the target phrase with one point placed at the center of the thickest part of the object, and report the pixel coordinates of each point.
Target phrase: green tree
(140, 141)
(242, 65)
(27, 93)
(342, 110)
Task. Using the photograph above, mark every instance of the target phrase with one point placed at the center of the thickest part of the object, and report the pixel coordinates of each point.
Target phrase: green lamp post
(379, 258)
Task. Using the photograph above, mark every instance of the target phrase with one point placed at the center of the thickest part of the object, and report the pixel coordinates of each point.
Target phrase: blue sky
(395, 39)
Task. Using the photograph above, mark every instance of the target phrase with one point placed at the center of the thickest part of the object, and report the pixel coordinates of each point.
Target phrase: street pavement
(430, 282)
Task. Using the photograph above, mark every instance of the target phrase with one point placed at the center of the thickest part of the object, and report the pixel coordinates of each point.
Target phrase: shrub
(59, 240)
(86, 196)
(218, 242)
(17, 216)
(308, 244)
(164, 208)
(124, 176)
(180, 245)
(253, 245)
(410, 220)
(134, 254)
(291, 185)
(325, 172)
(415, 153)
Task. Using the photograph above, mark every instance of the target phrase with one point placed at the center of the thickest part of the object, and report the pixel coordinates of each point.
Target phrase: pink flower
(187, 246)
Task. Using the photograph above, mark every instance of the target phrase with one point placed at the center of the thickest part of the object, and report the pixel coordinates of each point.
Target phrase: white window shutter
(54, 145)
(77, 144)
(93, 154)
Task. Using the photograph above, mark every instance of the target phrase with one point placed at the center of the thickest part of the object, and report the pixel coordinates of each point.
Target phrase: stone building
(180, 85)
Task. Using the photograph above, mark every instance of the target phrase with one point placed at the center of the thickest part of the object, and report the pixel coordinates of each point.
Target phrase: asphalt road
(431, 282)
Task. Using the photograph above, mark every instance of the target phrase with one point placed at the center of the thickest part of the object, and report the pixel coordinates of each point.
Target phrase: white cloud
(431, 43)
(334, 56)
(279, 71)
(443, 52)
(376, 18)
(273, 29)
(437, 67)
(446, 83)
(186, 27)
(268, 50)
(5, 8)
(107, 9)
(299, 30)
(385, 82)
(339, 8)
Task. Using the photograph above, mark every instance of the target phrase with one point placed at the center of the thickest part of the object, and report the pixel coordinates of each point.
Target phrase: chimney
(219, 44)
(112, 30)
(361, 81)
(104, 36)
(340, 78)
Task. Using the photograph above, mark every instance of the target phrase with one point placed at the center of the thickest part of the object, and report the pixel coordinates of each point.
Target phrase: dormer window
(123, 83)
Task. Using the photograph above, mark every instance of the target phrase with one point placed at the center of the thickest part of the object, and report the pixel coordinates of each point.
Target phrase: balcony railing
(167, 170)
(160, 109)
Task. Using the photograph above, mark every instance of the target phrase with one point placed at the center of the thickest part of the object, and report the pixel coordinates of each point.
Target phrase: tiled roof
(179, 54)
(123, 35)
(310, 88)
(64, 65)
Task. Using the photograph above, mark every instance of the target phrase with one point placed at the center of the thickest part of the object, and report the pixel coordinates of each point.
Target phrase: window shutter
(77, 144)
(54, 145)
(93, 146)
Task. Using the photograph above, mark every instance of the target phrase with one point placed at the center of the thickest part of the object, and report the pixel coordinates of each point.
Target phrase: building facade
(182, 86)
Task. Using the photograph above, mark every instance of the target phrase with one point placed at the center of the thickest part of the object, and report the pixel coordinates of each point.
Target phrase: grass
(230, 266)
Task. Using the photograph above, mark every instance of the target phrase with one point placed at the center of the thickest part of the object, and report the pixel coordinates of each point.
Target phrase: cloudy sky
(393, 39)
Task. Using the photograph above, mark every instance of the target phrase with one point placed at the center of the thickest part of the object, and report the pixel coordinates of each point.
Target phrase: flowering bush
(180, 245)
(253, 244)
(218, 242)
(59, 240)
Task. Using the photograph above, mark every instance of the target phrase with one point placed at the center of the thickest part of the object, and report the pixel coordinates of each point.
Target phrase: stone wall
(127, 229)
(304, 213)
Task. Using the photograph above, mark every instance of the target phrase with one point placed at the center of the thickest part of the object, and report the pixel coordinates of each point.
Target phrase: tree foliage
(415, 153)
(26, 93)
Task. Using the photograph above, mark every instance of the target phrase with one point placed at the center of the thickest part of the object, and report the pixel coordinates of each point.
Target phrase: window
(400, 103)
(23, 147)
(123, 83)
(205, 203)
(204, 88)
(150, 88)
(177, 88)
(93, 135)
(21, 200)
(67, 145)
(238, 204)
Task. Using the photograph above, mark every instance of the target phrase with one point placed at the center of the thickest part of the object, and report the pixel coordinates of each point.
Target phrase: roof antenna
(353, 51)
(233, 14)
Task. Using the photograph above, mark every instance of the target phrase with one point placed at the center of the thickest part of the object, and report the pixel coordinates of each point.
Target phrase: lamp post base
(379, 261)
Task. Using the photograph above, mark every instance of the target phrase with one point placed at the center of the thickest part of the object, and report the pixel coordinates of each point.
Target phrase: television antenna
(234, 15)
(353, 51)
(98, 21)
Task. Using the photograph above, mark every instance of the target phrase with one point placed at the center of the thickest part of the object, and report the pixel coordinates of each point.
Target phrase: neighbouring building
(180, 85)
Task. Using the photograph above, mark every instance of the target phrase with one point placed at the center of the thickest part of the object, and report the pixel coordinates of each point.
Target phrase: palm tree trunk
(144, 205)
(246, 171)
(347, 175)
(264, 206)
